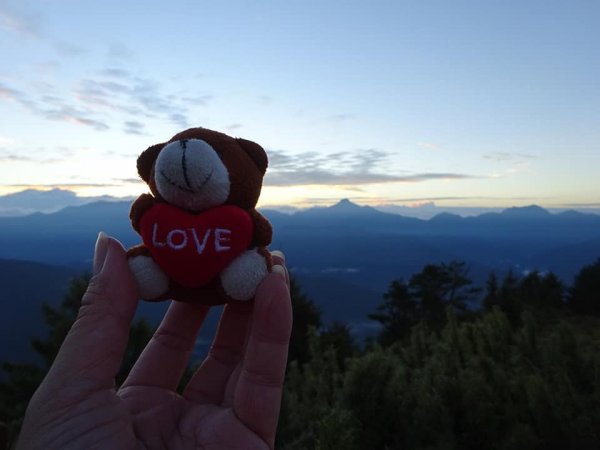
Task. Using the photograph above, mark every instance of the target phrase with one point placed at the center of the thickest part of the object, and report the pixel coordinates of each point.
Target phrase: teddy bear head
(199, 169)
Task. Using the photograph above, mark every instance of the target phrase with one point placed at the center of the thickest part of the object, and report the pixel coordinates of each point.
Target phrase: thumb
(93, 349)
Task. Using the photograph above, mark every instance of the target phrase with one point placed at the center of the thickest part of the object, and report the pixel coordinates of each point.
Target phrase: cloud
(71, 115)
(27, 25)
(54, 108)
(20, 154)
(131, 180)
(68, 49)
(47, 66)
(199, 100)
(462, 198)
(45, 200)
(118, 50)
(507, 156)
(135, 97)
(13, 157)
(111, 94)
(115, 73)
(8, 93)
(324, 177)
(61, 186)
(428, 145)
(99, 95)
(179, 119)
(233, 127)
(4, 140)
(516, 162)
(340, 117)
(358, 168)
(133, 127)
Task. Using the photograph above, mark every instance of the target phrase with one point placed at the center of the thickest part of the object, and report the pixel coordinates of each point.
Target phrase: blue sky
(463, 103)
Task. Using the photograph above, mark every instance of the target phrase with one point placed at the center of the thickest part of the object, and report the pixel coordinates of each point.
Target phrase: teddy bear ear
(146, 160)
(256, 152)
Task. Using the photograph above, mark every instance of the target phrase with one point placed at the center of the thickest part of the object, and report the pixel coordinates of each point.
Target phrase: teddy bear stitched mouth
(185, 189)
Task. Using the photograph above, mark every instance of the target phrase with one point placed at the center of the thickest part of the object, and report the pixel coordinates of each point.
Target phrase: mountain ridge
(345, 254)
(59, 237)
(29, 201)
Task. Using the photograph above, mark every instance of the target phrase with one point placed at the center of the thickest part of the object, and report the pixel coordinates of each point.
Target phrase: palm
(177, 423)
(232, 400)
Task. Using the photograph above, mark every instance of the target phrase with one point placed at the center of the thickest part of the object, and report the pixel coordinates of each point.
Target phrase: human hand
(232, 401)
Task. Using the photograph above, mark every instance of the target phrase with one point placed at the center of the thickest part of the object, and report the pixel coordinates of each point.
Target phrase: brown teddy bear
(203, 239)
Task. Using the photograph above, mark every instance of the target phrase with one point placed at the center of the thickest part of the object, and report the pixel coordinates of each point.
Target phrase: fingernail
(278, 253)
(100, 252)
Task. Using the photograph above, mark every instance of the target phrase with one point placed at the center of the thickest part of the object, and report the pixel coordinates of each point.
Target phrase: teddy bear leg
(151, 280)
(241, 278)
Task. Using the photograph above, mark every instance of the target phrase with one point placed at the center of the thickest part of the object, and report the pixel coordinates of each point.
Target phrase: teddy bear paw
(241, 278)
(152, 281)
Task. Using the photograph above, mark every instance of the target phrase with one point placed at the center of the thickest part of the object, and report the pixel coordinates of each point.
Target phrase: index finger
(94, 347)
(257, 397)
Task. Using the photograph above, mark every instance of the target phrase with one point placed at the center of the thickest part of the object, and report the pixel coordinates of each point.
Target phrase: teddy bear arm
(142, 204)
(263, 232)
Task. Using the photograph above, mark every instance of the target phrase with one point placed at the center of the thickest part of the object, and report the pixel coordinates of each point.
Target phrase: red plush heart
(193, 248)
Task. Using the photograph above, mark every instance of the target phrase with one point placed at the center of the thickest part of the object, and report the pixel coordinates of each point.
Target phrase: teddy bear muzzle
(190, 174)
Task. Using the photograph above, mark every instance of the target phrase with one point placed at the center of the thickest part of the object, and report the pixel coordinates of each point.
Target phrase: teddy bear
(203, 240)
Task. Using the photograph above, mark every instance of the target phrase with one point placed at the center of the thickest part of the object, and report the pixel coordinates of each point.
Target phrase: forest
(514, 364)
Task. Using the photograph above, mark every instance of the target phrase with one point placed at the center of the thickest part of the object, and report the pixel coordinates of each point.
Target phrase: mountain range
(344, 256)
(30, 201)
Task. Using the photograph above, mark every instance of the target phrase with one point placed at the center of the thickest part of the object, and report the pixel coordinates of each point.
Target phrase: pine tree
(307, 316)
(584, 297)
(426, 297)
(337, 335)
(492, 293)
(397, 314)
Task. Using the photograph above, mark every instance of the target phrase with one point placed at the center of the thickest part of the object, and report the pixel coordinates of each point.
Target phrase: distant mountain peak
(526, 211)
(342, 208)
(345, 203)
(345, 206)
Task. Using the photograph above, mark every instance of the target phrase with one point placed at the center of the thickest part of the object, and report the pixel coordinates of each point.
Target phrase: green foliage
(59, 320)
(317, 358)
(337, 430)
(397, 314)
(541, 293)
(584, 296)
(311, 393)
(426, 297)
(306, 317)
(523, 373)
(472, 386)
(505, 296)
(337, 335)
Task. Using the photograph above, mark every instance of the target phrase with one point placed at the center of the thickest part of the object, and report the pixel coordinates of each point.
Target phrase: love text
(178, 238)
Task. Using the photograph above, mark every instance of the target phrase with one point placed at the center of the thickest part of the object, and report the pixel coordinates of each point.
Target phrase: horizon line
(426, 208)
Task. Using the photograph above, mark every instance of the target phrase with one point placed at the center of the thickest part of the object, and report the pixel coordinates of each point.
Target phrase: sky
(455, 103)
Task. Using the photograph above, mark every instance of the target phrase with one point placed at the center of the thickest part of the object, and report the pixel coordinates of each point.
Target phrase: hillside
(24, 286)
